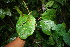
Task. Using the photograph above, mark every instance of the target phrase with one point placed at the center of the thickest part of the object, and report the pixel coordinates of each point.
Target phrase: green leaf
(7, 11)
(35, 45)
(18, 10)
(66, 38)
(2, 16)
(2, 13)
(60, 29)
(43, 1)
(38, 36)
(25, 26)
(61, 1)
(49, 4)
(35, 13)
(49, 14)
(69, 31)
(57, 39)
(51, 41)
(47, 25)
(44, 43)
(1, 27)
(12, 37)
(55, 36)
(56, 6)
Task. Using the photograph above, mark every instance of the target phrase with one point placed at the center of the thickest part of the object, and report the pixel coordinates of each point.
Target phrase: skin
(16, 43)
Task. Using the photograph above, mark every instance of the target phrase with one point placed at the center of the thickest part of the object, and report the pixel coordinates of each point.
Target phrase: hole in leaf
(48, 5)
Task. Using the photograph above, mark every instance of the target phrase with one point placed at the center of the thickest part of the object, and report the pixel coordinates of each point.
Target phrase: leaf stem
(26, 6)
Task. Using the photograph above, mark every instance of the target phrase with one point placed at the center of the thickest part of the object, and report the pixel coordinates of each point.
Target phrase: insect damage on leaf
(25, 26)
(47, 25)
